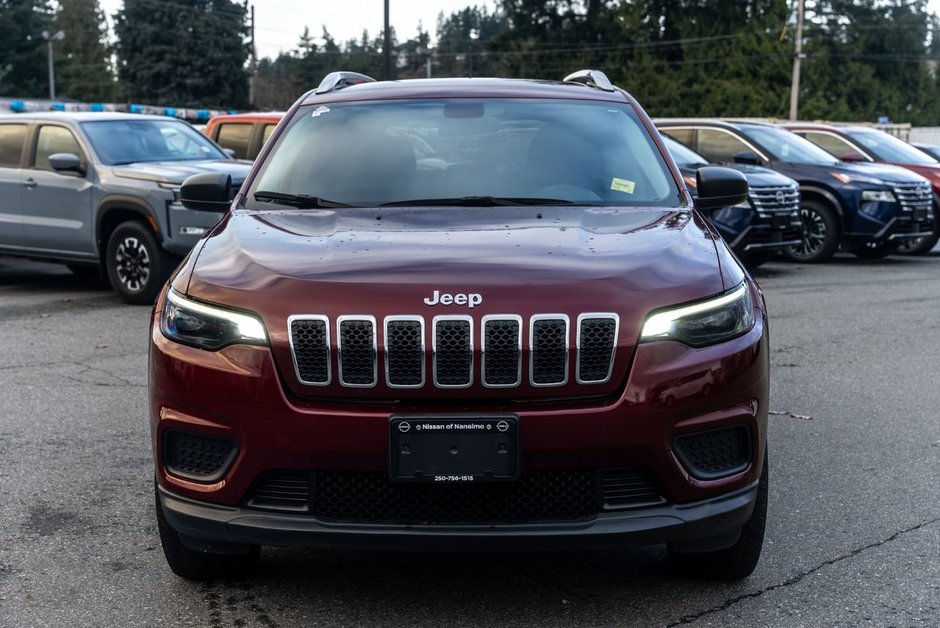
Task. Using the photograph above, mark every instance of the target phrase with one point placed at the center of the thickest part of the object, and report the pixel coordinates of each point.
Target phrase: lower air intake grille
(625, 488)
(287, 490)
(198, 457)
(715, 453)
(370, 497)
(535, 496)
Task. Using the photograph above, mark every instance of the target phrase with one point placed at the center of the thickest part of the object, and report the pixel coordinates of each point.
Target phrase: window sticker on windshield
(622, 185)
(319, 111)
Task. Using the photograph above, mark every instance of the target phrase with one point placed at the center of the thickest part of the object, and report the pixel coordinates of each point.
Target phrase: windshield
(131, 141)
(501, 151)
(886, 147)
(685, 157)
(786, 146)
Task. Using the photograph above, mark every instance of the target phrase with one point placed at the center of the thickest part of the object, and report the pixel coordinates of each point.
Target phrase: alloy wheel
(813, 236)
(133, 264)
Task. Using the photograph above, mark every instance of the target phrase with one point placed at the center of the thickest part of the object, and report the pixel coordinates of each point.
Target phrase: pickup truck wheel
(737, 561)
(819, 236)
(137, 265)
(194, 565)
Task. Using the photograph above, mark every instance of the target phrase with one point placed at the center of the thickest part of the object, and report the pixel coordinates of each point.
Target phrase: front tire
(137, 265)
(819, 235)
(737, 561)
(193, 565)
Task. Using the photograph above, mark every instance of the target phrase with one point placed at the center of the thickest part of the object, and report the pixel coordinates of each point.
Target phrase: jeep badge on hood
(472, 299)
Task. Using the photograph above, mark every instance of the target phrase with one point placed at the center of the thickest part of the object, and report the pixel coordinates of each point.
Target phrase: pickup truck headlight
(878, 196)
(208, 327)
(704, 323)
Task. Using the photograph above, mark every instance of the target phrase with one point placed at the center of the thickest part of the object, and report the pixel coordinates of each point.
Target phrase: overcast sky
(281, 22)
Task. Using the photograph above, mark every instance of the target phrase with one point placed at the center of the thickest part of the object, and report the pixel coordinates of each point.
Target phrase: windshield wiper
(302, 201)
(478, 201)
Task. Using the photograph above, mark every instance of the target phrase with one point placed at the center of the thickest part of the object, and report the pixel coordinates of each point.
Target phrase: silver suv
(99, 191)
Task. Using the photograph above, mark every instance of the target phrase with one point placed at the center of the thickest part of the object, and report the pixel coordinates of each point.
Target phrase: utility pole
(253, 70)
(387, 46)
(797, 57)
(59, 36)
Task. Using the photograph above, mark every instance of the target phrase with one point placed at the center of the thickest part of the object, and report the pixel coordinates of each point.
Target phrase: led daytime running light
(660, 325)
(248, 327)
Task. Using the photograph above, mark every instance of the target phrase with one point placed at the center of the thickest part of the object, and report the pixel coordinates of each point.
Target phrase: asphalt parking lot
(853, 534)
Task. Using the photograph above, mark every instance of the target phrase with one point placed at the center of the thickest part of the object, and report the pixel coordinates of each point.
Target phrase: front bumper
(707, 524)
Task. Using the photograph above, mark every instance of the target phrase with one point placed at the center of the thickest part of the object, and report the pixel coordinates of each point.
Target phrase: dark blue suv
(868, 209)
(767, 222)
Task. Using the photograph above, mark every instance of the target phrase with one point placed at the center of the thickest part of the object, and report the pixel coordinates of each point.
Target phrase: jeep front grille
(914, 196)
(777, 199)
(453, 339)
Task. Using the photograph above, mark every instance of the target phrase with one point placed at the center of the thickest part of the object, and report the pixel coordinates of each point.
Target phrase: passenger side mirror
(207, 192)
(719, 187)
(748, 157)
(852, 156)
(66, 162)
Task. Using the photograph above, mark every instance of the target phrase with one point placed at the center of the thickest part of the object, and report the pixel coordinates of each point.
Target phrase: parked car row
(870, 209)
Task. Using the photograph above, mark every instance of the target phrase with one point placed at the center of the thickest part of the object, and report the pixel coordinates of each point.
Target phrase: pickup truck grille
(914, 196)
(498, 340)
(775, 199)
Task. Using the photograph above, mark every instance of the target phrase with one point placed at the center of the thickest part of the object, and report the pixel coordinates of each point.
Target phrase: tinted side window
(52, 140)
(236, 137)
(831, 144)
(683, 136)
(719, 146)
(12, 137)
(268, 130)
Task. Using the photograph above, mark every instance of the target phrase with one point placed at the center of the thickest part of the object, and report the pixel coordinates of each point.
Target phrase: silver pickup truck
(99, 193)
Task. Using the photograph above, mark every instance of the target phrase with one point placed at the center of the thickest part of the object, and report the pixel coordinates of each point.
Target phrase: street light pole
(59, 36)
(387, 46)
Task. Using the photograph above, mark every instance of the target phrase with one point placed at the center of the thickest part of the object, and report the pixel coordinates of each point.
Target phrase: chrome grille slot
(453, 351)
(356, 347)
(310, 347)
(502, 351)
(548, 343)
(913, 196)
(597, 338)
(777, 199)
(404, 351)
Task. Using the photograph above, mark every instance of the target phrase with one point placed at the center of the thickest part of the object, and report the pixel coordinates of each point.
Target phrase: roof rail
(339, 80)
(591, 78)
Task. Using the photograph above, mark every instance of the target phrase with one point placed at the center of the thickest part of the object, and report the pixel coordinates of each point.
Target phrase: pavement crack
(688, 619)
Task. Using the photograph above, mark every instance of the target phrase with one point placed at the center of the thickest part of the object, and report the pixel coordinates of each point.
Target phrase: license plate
(781, 222)
(453, 449)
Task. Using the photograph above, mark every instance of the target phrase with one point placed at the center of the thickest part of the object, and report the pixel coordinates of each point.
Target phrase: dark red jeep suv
(461, 314)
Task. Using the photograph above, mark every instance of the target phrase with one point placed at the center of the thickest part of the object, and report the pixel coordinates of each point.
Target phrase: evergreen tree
(82, 59)
(183, 52)
(23, 51)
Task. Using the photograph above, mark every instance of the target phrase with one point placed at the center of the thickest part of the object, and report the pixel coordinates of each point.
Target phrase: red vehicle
(448, 314)
(866, 144)
(243, 134)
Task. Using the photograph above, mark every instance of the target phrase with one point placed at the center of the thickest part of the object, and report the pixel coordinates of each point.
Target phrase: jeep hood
(176, 172)
(520, 260)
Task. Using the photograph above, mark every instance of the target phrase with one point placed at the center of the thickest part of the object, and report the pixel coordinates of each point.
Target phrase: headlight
(208, 327)
(882, 196)
(703, 323)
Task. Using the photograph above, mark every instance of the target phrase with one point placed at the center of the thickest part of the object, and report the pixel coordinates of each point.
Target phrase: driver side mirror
(207, 192)
(748, 157)
(64, 163)
(719, 187)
